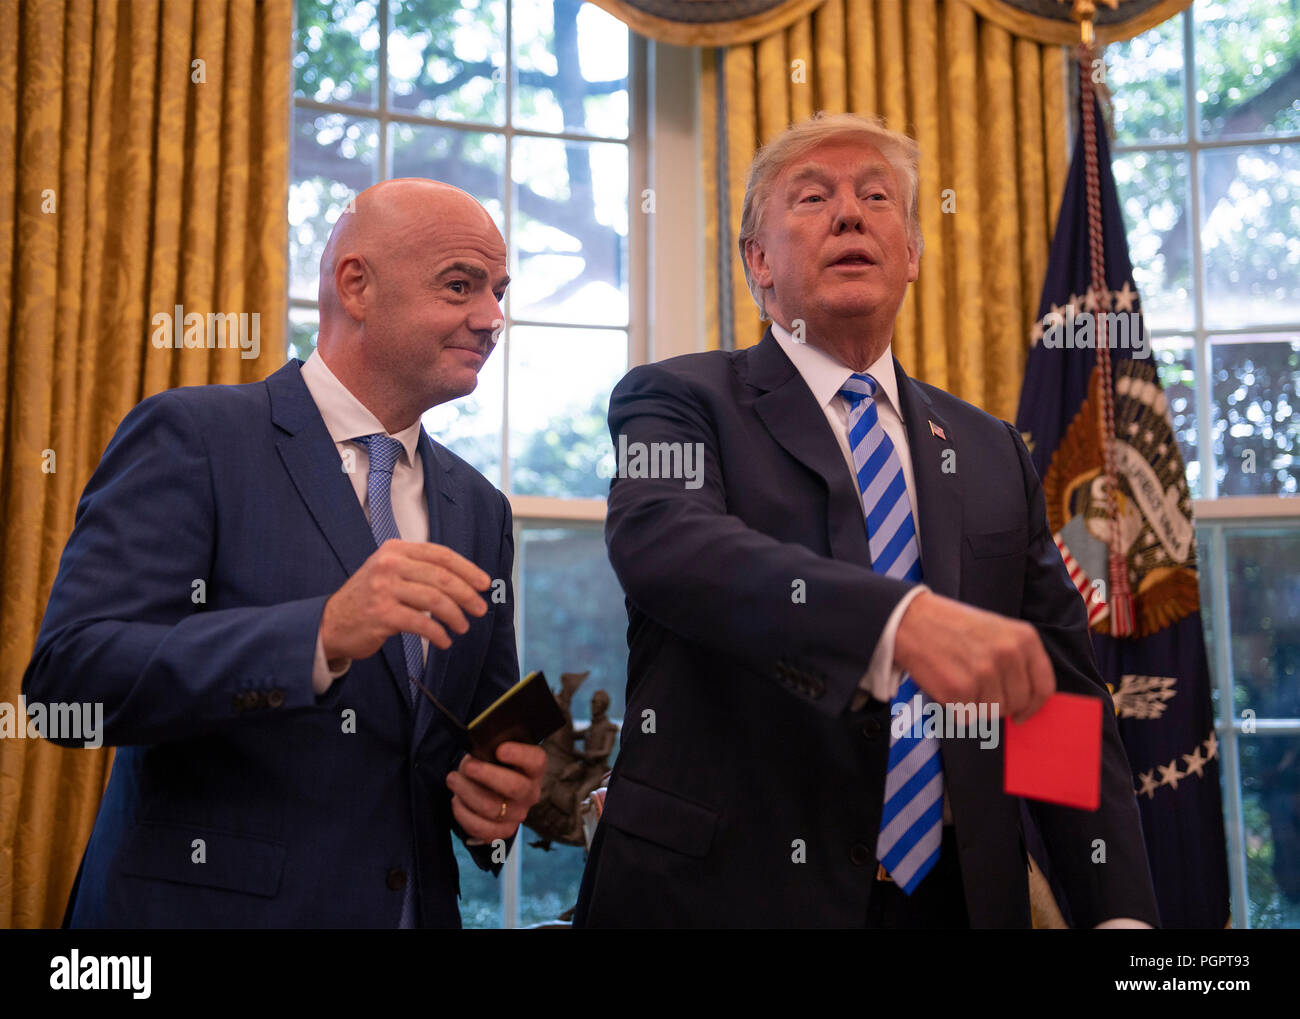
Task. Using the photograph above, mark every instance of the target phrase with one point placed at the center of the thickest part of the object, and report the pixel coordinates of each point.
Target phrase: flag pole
(1122, 616)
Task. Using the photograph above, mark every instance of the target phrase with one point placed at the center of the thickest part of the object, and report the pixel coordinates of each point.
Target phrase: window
(538, 108)
(1207, 160)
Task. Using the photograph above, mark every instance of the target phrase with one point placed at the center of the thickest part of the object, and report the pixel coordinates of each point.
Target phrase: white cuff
(322, 676)
(883, 676)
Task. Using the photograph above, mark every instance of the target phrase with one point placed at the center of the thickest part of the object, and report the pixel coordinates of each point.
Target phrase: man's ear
(756, 259)
(913, 259)
(351, 276)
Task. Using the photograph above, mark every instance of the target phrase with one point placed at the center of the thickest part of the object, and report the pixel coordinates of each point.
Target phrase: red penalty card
(1056, 755)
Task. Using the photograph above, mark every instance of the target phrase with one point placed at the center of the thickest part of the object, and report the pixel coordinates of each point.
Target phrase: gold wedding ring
(503, 811)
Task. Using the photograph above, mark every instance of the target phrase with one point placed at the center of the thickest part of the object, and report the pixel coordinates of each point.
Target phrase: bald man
(265, 585)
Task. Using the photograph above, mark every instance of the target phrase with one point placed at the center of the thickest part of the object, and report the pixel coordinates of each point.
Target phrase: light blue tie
(384, 452)
(911, 822)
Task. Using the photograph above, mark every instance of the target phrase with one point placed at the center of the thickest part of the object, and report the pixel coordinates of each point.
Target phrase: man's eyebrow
(467, 268)
(821, 171)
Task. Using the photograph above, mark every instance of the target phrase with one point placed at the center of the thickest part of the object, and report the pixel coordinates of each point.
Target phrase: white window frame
(1214, 514)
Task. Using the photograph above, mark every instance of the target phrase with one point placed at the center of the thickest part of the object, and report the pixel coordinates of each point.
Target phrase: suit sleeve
(1121, 885)
(500, 668)
(704, 574)
(126, 624)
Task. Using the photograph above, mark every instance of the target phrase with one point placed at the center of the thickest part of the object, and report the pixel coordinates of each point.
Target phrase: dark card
(526, 713)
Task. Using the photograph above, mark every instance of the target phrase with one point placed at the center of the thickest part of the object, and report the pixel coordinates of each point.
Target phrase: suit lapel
(791, 414)
(312, 460)
(967, 768)
(938, 495)
(450, 525)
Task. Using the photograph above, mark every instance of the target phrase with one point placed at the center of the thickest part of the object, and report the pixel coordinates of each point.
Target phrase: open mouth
(852, 260)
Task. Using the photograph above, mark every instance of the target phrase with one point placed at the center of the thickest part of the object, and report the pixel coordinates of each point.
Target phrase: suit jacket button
(860, 854)
(275, 698)
(871, 728)
(396, 879)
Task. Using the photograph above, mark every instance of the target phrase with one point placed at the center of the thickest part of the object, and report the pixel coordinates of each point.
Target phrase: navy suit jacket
(309, 808)
(746, 791)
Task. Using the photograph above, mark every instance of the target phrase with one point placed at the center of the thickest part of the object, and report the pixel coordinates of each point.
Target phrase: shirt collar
(825, 374)
(346, 417)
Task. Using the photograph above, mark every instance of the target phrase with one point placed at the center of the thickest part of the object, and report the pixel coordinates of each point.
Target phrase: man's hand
(959, 654)
(489, 801)
(395, 591)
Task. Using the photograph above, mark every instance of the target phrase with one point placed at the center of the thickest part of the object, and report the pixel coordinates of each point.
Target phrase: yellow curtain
(990, 113)
(144, 148)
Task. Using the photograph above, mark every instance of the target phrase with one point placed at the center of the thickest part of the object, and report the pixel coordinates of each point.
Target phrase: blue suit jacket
(308, 808)
(755, 755)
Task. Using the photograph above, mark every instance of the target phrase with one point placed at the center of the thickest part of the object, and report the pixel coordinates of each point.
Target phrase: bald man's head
(410, 288)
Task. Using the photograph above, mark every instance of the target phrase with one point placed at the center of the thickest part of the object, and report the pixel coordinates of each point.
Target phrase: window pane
(1264, 615)
(571, 619)
(304, 323)
(1145, 78)
(474, 161)
(334, 158)
(1270, 779)
(471, 426)
(570, 231)
(1176, 365)
(560, 381)
(480, 891)
(1247, 62)
(448, 60)
(336, 51)
(570, 68)
(1256, 428)
(1153, 194)
(1250, 230)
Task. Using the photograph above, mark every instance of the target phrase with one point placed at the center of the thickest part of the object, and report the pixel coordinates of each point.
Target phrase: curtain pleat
(136, 181)
(988, 111)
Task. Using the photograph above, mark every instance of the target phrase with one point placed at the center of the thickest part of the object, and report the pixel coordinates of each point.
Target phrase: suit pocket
(991, 544)
(237, 863)
(662, 818)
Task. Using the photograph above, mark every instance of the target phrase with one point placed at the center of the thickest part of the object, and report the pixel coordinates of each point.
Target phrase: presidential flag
(1097, 425)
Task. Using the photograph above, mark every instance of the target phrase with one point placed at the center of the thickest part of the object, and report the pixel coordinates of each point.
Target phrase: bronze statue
(571, 774)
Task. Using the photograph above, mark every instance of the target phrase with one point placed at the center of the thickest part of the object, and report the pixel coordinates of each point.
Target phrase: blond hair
(901, 152)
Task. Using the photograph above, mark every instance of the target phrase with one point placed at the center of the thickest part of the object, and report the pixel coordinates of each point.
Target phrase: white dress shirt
(347, 419)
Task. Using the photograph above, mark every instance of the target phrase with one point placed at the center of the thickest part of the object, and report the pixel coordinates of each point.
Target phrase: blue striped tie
(384, 453)
(911, 822)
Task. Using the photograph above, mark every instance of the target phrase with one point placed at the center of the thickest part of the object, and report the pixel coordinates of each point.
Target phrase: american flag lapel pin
(936, 430)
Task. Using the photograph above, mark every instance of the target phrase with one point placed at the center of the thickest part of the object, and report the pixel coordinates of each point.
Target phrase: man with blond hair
(776, 642)
(264, 582)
